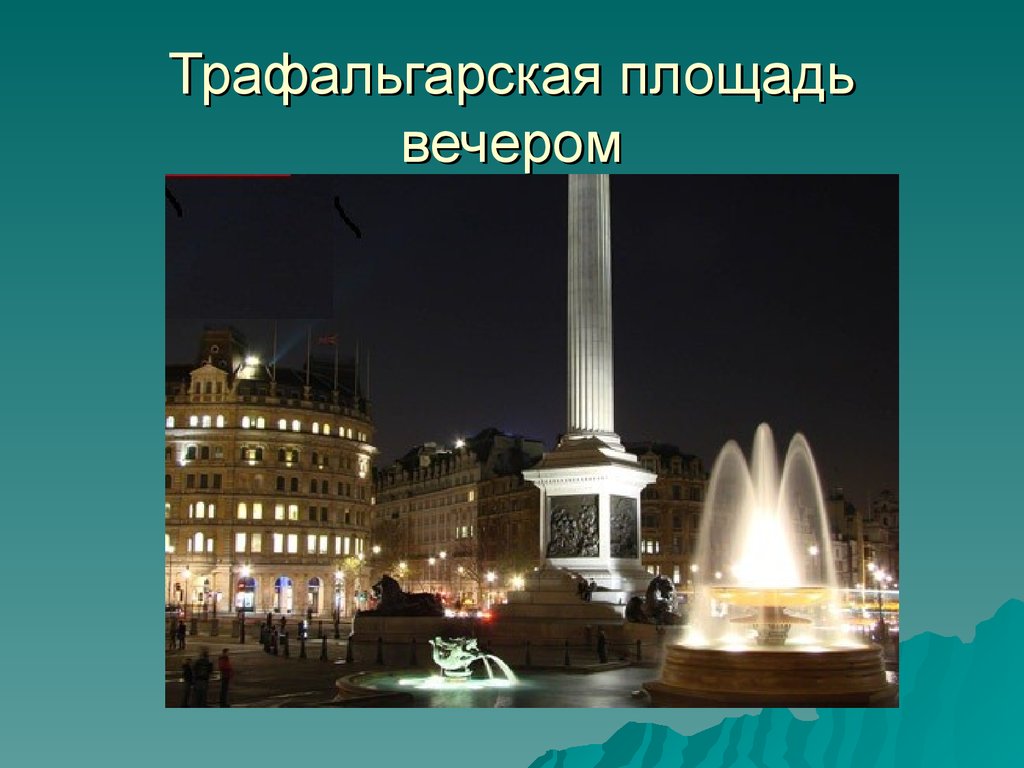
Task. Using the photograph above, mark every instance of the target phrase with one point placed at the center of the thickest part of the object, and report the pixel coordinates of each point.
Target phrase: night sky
(736, 300)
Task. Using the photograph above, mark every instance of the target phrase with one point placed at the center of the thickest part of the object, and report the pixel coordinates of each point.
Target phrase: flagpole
(335, 366)
(367, 375)
(309, 339)
(273, 364)
(355, 379)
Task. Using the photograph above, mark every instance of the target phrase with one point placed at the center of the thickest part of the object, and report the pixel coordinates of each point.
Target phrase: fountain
(765, 627)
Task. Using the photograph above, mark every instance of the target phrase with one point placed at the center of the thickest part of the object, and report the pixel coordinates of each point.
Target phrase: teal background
(92, 120)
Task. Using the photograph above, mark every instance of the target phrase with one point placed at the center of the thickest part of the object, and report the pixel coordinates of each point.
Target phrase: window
(252, 454)
(261, 423)
(168, 453)
(322, 544)
(677, 521)
(677, 492)
(256, 542)
(193, 421)
(296, 425)
(337, 545)
(676, 576)
(216, 481)
(204, 481)
(207, 421)
(295, 485)
(327, 429)
(220, 421)
(311, 543)
(278, 543)
(293, 511)
(651, 546)
(312, 514)
(167, 482)
(650, 520)
(190, 481)
(695, 493)
(282, 424)
(246, 423)
(312, 486)
(293, 543)
(197, 542)
(347, 546)
(191, 452)
(323, 514)
(280, 482)
(209, 544)
(316, 427)
(279, 511)
(239, 542)
(204, 452)
(170, 422)
(200, 508)
(218, 452)
(323, 486)
(243, 511)
(677, 545)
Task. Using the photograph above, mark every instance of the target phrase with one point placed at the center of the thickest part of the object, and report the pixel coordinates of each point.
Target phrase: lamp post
(491, 576)
(186, 574)
(444, 571)
(430, 572)
(169, 551)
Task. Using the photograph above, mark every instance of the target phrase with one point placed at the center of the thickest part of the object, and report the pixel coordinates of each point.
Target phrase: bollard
(380, 649)
(529, 661)
(241, 632)
(323, 649)
(320, 628)
(214, 627)
(638, 655)
(193, 626)
(348, 650)
(284, 643)
(302, 646)
(412, 652)
(337, 630)
(567, 653)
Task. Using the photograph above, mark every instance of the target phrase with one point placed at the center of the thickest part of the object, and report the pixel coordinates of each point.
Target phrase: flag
(331, 340)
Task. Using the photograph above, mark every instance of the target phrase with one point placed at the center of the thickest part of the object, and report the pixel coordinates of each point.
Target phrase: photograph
(577, 441)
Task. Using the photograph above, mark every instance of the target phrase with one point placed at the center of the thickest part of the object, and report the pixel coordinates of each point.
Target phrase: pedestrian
(181, 635)
(226, 672)
(602, 646)
(186, 678)
(172, 634)
(590, 590)
(309, 615)
(201, 672)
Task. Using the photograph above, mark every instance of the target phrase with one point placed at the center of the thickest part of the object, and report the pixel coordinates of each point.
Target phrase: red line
(228, 175)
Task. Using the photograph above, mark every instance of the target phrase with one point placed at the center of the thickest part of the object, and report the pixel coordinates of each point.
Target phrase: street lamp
(169, 551)
(186, 574)
(491, 576)
(444, 570)
(430, 575)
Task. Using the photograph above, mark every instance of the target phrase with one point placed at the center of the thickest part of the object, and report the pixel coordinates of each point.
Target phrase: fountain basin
(773, 677)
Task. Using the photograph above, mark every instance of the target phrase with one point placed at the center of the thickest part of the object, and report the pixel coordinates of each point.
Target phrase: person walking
(186, 678)
(201, 672)
(226, 673)
(181, 635)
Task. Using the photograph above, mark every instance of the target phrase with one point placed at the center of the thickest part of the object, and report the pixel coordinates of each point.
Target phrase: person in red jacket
(226, 673)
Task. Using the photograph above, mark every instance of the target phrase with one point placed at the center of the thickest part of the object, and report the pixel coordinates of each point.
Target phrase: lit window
(350, 433)
(209, 544)
(279, 511)
(220, 421)
(323, 544)
(257, 511)
(243, 512)
(245, 422)
(337, 545)
(193, 421)
(197, 542)
(211, 511)
(207, 421)
(282, 424)
(293, 511)
(316, 427)
(472, 496)
(676, 577)
(348, 546)
(327, 429)
(278, 543)
(293, 543)
(311, 543)
(239, 542)
(200, 509)
(261, 423)
(296, 425)
(170, 422)
(256, 542)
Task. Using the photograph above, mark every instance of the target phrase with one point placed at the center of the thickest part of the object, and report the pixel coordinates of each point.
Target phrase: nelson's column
(589, 485)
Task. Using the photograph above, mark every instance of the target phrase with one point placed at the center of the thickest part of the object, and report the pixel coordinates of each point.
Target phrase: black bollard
(529, 661)
(567, 653)
(214, 627)
(337, 630)
(320, 628)
(348, 650)
(284, 643)
(323, 649)
(380, 649)
(412, 652)
(302, 646)
(241, 631)
(638, 655)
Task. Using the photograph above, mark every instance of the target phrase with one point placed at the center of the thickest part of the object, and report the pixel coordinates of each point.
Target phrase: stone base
(703, 677)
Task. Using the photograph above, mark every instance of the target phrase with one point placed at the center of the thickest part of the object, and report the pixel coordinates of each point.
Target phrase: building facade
(267, 484)
(670, 511)
(457, 520)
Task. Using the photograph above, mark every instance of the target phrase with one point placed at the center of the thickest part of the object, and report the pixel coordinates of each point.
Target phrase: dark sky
(737, 299)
